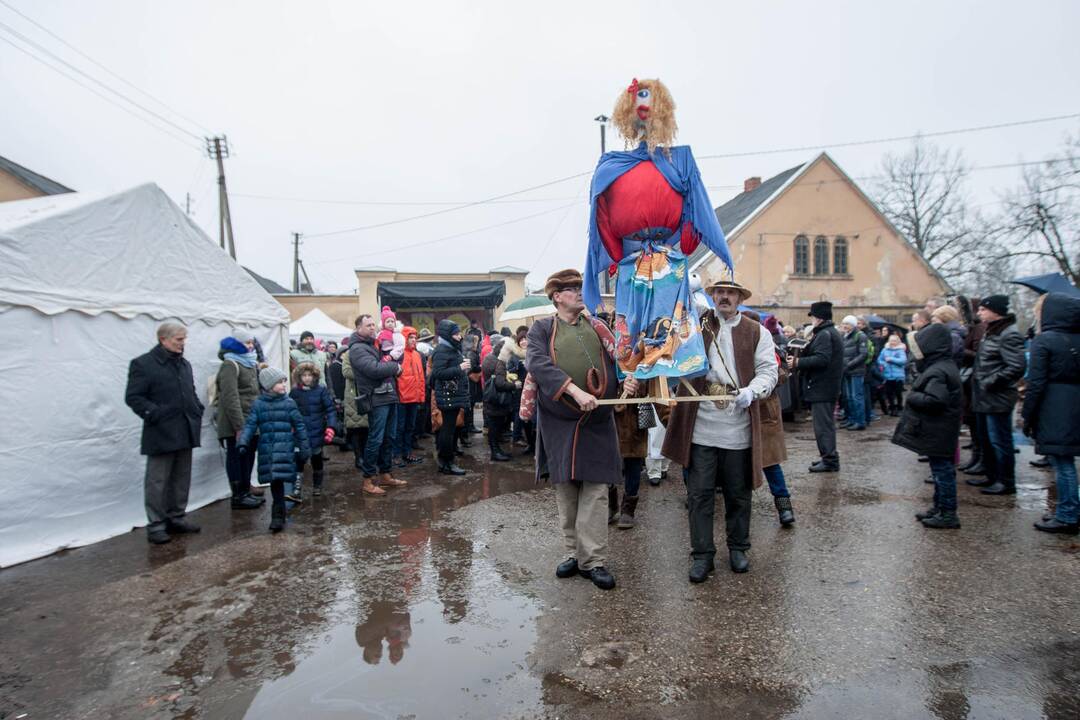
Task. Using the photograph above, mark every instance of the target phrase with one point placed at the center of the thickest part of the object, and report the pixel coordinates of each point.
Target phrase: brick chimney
(752, 183)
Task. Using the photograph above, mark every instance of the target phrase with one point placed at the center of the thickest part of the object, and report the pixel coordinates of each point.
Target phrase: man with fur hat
(571, 359)
(821, 368)
(721, 447)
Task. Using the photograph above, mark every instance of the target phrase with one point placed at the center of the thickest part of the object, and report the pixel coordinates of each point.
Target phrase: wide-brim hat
(424, 336)
(731, 285)
(562, 280)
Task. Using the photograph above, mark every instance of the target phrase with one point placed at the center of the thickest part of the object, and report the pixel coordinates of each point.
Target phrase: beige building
(19, 183)
(809, 234)
(419, 299)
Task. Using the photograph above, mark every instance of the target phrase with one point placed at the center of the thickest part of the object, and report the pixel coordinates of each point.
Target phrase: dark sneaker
(700, 569)
(740, 563)
(247, 502)
(942, 521)
(567, 568)
(158, 537)
(1054, 525)
(182, 526)
(999, 489)
(600, 577)
(926, 514)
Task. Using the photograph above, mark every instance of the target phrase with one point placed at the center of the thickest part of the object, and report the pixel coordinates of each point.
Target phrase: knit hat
(243, 335)
(850, 320)
(306, 334)
(996, 303)
(821, 310)
(271, 376)
(232, 345)
(562, 280)
(387, 313)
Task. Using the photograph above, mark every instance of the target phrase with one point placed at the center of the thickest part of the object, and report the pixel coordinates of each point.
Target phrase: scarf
(248, 359)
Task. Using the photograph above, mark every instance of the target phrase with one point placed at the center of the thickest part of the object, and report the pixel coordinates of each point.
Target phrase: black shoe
(821, 467)
(942, 521)
(158, 537)
(976, 469)
(999, 488)
(739, 562)
(277, 517)
(926, 514)
(856, 428)
(784, 511)
(1053, 525)
(450, 469)
(843, 426)
(600, 577)
(700, 569)
(410, 460)
(182, 526)
(499, 456)
(567, 568)
(246, 502)
(1040, 462)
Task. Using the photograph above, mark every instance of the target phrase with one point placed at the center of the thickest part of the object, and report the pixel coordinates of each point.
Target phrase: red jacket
(411, 380)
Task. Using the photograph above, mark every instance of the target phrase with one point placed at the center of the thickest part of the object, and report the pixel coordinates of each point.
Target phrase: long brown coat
(680, 426)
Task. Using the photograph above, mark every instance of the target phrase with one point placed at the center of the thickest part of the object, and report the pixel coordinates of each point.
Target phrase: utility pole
(603, 120)
(187, 204)
(218, 149)
(296, 263)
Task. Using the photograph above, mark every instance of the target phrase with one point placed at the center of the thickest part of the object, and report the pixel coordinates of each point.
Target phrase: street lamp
(602, 119)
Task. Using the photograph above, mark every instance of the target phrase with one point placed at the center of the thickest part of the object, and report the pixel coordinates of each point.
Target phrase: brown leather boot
(626, 516)
(390, 481)
(371, 488)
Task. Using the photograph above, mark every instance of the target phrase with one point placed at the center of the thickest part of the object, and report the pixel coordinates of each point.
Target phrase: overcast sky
(453, 101)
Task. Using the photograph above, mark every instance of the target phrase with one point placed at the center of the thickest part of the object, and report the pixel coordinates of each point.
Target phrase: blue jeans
(382, 426)
(406, 429)
(774, 475)
(995, 433)
(868, 398)
(856, 405)
(1068, 504)
(944, 472)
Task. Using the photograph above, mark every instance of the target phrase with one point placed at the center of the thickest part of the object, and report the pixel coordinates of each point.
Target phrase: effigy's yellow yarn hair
(660, 128)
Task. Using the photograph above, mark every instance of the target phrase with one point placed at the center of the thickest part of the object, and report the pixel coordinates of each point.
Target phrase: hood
(935, 342)
(447, 329)
(511, 349)
(302, 367)
(1060, 312)
(407, 331)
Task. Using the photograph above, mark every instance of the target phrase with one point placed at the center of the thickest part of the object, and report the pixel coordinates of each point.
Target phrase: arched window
(821, 255)
(839, 263)
(802, 255)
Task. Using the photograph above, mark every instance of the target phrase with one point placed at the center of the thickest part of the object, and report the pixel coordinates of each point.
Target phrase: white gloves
(744, 398)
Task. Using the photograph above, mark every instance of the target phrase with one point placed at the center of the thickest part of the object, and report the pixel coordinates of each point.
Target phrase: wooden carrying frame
(660, 394)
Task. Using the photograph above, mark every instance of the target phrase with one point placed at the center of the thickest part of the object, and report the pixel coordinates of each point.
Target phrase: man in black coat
(161, 391)
(821, 367)
(999, 366)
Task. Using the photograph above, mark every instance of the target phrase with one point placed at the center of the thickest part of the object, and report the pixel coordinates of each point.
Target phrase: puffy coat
(299, 355)
(1051, 409)
(281, 429)
(999, 365)
(930, 423)
(495, 373)
(821, 365)
(353, 418)
(316, 404)
(449, 382)
(893, 361)
(237, 388)
(411, 381)
(855, 353)
(370, 372)
(958, 333)
(161, 391)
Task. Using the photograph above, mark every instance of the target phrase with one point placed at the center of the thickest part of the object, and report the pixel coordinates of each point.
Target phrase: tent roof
(130, 253)
(406, 295)
(320, 324)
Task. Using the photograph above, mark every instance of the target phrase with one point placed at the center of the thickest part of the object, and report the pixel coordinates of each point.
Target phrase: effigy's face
(643, 104)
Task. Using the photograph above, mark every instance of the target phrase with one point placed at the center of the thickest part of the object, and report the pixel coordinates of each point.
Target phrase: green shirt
(577, 349)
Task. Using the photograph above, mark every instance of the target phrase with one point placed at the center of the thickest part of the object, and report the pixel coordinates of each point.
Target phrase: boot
(388, 479)
(942, 521)
(446, 468)
(612, 504)
(927, 513)
(626, 516)
(1053, 525)
(497, 454)
(784, 511)
(976, 459)
(371, 488)
(294, 494)
(976, 469)
(277, 516)
(316, 483)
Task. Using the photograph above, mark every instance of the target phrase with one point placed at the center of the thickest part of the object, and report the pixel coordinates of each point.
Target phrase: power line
(318, 201)
(11, 31)
(104, 97)
(102, 67)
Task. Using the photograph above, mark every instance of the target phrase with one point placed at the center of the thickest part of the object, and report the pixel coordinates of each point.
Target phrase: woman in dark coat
(450, 391)
(498, 400)
(930, 423)
(1051, 408)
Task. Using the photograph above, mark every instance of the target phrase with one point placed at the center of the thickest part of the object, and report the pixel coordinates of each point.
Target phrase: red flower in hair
(632, 90)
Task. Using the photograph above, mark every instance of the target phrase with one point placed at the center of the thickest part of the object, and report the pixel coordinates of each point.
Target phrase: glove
(744, 398)
(329, 436)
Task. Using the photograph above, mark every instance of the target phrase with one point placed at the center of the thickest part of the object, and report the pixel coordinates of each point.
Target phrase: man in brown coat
(570, 358)
(721, 447)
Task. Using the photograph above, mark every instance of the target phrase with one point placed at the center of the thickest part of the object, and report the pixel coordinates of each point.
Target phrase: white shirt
(730, 428)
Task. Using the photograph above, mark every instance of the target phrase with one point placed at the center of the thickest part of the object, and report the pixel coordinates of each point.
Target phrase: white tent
(321, 326)
(85, 281)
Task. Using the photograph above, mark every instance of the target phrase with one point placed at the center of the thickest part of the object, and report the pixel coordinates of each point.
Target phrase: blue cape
(682, 174)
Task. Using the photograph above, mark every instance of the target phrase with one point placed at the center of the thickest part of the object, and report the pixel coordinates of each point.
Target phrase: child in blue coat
(893, 364)
(317, 406)
(280, 427)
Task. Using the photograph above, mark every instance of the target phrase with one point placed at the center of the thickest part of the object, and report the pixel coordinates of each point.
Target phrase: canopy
(1050, 282)
(320, 325)
(86, 281)
(443, 294)
(529, 306)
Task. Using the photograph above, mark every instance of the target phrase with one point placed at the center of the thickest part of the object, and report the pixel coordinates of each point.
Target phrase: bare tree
(923, 194)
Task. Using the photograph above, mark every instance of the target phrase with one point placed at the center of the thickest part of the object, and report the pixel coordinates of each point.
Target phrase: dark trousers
(825, 431)
(357, 440)
(730, 471)
(632, 468)
(996, 440)
(406, 429)
(238, 467)
(944, 471)
(165, 488)
(497, 426)
(444, 441)
(894, 394)
(382, 425)
(316, 466)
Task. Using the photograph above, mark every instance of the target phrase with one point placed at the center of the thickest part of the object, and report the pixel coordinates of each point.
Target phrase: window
(839, 263)
(821, 255)
(802, 255)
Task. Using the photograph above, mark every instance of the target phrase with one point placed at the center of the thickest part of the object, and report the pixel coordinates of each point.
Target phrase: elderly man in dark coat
(161, 391)
(570, 359)
(821, 367)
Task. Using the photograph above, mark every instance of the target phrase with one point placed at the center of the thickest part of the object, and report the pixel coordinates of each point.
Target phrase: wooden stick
(671, 399)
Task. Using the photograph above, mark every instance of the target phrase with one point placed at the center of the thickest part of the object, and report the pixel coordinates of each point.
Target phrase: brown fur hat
(305, 367)
(561, 281)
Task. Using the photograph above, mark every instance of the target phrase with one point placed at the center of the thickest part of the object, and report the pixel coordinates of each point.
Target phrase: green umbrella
(527, 307)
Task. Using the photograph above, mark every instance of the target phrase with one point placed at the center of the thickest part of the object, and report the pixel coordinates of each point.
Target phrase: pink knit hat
(386, 340)
(387, 313)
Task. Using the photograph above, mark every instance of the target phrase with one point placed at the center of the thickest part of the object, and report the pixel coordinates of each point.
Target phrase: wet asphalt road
(439, 601)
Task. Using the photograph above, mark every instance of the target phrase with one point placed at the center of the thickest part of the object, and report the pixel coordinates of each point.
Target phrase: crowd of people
(544, 390)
